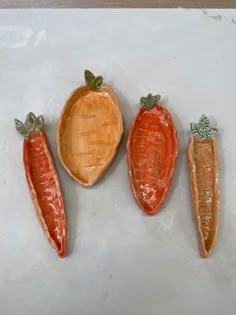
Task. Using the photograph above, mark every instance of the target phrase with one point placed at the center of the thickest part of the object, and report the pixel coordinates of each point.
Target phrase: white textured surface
(120, 261)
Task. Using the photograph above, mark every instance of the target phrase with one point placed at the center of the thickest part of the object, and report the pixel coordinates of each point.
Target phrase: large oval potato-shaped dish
(89, 130)
(152, 149)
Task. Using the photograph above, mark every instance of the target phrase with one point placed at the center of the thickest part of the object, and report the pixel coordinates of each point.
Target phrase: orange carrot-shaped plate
(89, 130)
(204, 183)
(152, 150)
(43, 182)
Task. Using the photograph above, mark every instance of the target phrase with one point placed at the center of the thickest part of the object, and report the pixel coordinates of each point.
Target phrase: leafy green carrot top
(203, 129)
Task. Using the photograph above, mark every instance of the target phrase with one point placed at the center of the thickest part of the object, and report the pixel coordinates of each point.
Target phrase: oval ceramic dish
(43, 182)
(89, 130)
(204, 183)
(152, 150)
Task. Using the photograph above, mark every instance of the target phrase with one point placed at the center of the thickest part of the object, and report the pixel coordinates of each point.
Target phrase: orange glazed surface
(45, 190)
(89, 132)
(152, 150)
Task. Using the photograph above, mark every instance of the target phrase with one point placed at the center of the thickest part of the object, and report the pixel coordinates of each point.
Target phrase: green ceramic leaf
(20, 127)
(94, 83)
(204, 121)
(202, 129)
(39, 122)
(157, 98)
(32, 124)
(149, 101)
(97, 82)
(194, 129)
(30, 118)
(213, 132)
(88, 75)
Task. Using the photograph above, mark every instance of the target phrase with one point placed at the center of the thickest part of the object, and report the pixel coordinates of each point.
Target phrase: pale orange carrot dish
(204, 183)
(89, 130)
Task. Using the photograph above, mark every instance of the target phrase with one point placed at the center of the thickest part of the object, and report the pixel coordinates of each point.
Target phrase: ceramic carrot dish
(43, 182)
(204, 183)
(152, 150)
(89, 130)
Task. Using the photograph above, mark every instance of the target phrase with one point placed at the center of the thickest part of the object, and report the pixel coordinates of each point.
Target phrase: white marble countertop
(120, 261)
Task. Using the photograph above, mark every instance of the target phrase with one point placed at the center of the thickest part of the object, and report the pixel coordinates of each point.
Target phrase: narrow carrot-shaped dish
(89, 130)
(152, 149)
(204, 183)
(43, 182)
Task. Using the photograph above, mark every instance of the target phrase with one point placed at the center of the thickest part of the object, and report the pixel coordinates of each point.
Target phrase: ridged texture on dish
(45, 190)
(204, 183)
(152, 150)
(89, 131)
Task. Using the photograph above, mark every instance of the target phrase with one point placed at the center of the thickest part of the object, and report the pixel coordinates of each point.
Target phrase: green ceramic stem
(202, 129)
(94, 83)
(32, 124)
(149, 101)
